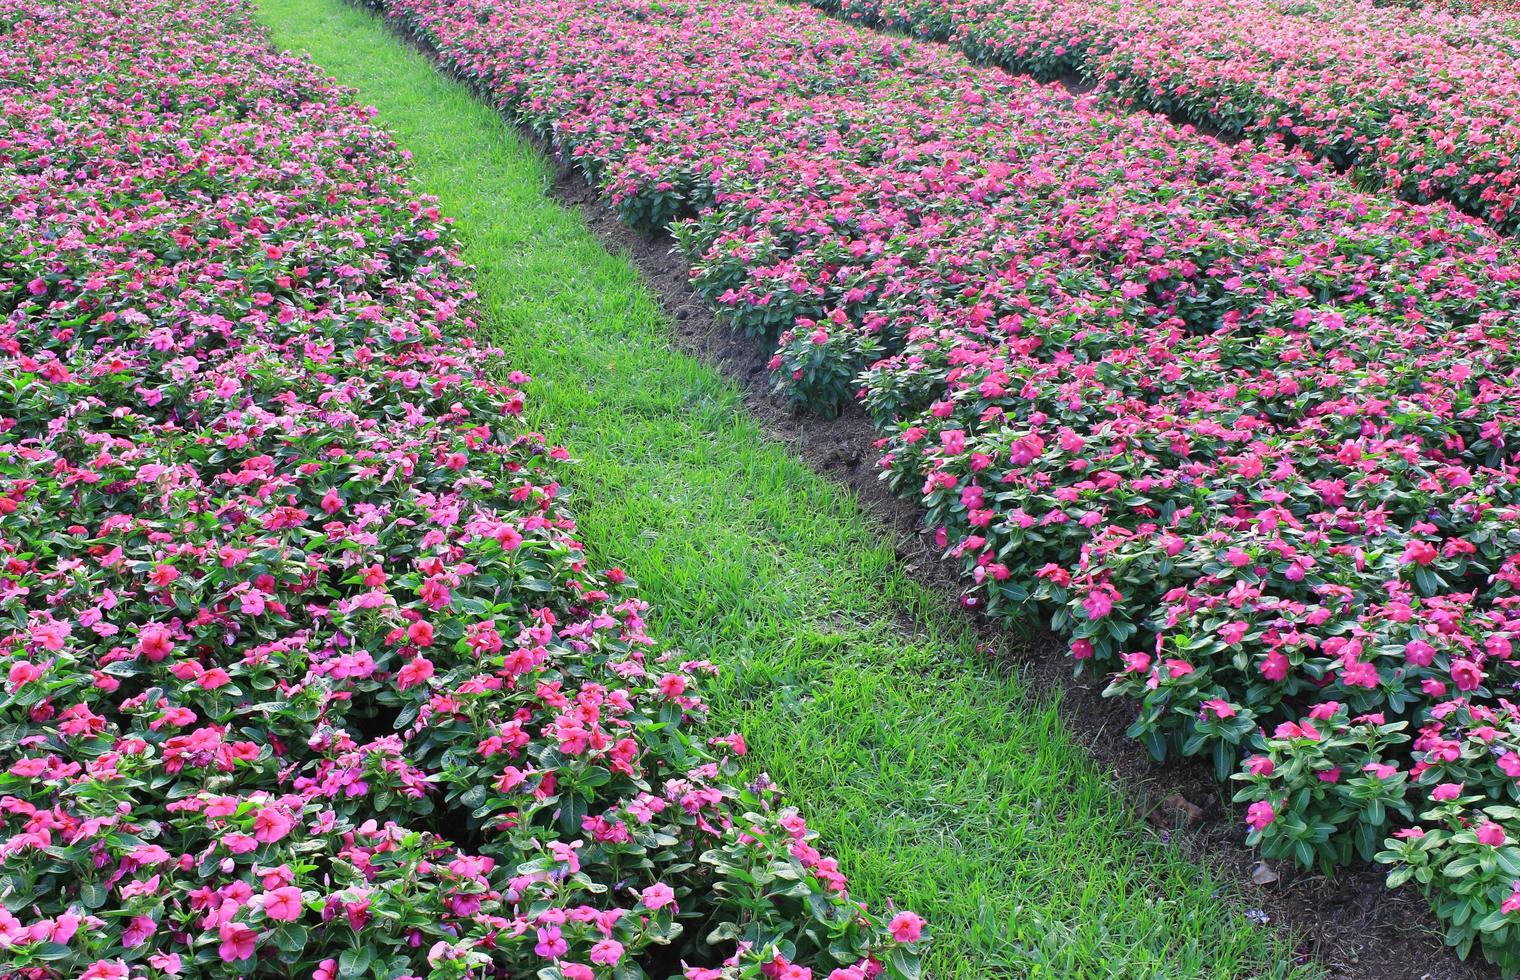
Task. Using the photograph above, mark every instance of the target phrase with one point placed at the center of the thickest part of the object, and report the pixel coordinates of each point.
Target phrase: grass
(939, 781)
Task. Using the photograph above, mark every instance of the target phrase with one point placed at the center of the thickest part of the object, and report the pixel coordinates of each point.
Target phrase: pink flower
(283, 904)
(1446, 791)
(65, 926)
(906, 927)
(106, 970)
(607, 952)
(1098, 604)
(1325, 710)
(1419, 653)
(1219, 708)
(238, 942)
(416, 671)
(138, 931)
(271, 824)
(420, 633)
(1419, 553)
(22, 672)
(154, 642)
(658, 895)
(1359, 674)
(1466, 675)
(1259, 815)
(1491, 834)
(551, 942)
(51, 634)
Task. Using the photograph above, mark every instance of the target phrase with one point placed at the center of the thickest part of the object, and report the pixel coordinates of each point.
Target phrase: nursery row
(1242, 430)
(303, 671)
(1418, 101)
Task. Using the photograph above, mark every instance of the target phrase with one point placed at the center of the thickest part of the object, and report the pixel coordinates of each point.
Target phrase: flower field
(1238, 427)
(303, 669)
(1415, 100)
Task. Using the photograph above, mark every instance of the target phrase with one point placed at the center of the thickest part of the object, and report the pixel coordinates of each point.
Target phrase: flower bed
(1418, 101)
(1240, 429)
(303, 670)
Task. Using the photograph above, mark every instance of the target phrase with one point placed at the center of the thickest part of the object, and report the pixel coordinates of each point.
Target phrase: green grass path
(933, 775)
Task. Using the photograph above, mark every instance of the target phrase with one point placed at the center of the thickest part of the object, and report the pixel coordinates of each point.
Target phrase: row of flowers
(1421, 101)
(1468, 7)
(1241, 430)
(303, 670)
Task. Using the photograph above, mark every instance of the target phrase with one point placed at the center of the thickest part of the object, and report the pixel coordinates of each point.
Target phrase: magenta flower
(906, 927)
(106, 970)
(1491, 834)
(657, 896)
(138, 931)
(237, 942)
(283, 904)
(1219, 708)
(607, 952)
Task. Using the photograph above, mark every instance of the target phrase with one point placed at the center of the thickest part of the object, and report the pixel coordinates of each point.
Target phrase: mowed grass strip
(935, 777)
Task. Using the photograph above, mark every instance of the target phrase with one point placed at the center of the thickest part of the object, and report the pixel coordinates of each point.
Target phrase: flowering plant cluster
(303, 671)
(1419, 100)
(1509, 7)
(1242, 430)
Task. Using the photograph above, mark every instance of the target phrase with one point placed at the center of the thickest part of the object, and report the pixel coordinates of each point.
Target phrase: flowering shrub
(302, 668)
(1462, 855)
(1241, 430)
(1421, 101)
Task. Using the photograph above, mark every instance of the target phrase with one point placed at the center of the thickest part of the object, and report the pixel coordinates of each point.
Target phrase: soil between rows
(1352, 924)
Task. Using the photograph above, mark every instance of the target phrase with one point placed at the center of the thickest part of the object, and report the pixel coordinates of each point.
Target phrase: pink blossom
(237, 941)
(657, 896)
(906, 927)
(1491, 834)
(607, 952)
(283, 904)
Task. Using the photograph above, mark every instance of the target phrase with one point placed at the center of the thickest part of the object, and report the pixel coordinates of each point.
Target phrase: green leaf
(571, 811)
(904, 963)
(354, 962)
(92, 894)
